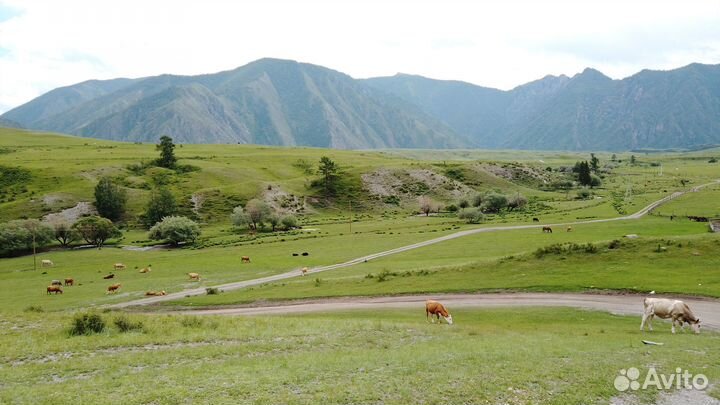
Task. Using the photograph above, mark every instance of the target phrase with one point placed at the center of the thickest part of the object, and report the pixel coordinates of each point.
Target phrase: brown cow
(112, 289)
(194, 276)
(547, 229)
(152, 293)
(69, 281)
(54, 289)
(109, 276)
(245, 259)
(119, 266)
(437, 309)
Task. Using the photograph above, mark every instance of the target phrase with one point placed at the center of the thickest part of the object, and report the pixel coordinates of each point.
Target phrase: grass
(688, 265)
(553, 356)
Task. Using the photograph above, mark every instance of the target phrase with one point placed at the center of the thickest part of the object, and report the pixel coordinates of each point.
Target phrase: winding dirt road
(296, 273)
(708, 310)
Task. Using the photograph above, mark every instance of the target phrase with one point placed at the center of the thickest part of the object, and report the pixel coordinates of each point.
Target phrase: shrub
(471, 215)
(494, 202)
(191, 322)
(212, 291)
(87, 324)
(34, 308)
(289, 221)
(18, 235)
(175, 230)
(125, 325)
(583, 194)
(565, 248)
(616, 243)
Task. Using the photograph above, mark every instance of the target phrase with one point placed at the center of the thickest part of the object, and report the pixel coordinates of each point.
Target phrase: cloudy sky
(45, 44)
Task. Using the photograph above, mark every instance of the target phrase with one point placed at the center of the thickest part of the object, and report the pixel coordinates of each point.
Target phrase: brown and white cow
(194, 276)
(245, 259)
(54, 289)
(434, 308)
(664, 308)
(46, 263)
(119, 266)
(112, 289)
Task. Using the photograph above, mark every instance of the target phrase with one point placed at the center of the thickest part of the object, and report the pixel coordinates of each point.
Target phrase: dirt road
(707, 310)
(296, 272)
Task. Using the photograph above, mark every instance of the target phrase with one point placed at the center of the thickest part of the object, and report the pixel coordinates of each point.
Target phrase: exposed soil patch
(393, 186)
(71, 215)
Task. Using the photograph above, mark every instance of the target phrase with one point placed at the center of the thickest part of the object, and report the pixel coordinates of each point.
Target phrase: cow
(112, 289)
(303, 271)
(119, 266)
(155, 293)
(109, 276)
(569, 228)
(145, 270)
(664, 308)
(437, 309)
(46, 263)
(305, 254)
(536, 220)
(547, 229)
(54, 289)
(245, 259)
(56, 282)
(69, 281)
(194, 276)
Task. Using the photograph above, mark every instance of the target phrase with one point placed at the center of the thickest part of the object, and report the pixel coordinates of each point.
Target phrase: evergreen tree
(110, 199)
(594, 163)
(162, 204)
(584, 177)
(167, 152)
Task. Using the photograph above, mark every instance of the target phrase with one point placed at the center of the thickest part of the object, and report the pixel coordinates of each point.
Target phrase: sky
(45, 44)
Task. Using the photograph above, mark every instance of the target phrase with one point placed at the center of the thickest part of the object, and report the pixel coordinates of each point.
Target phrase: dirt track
(296, 273)
(706, 309)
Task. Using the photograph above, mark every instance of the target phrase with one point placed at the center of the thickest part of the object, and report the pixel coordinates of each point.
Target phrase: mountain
(270, 101)
(281, 102)
(589, 111)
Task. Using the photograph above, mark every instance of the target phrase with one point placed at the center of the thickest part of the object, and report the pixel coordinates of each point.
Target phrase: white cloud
(494, 44)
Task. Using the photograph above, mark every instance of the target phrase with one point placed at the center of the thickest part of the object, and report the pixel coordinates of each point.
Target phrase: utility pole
(34, 257)
(350, 207)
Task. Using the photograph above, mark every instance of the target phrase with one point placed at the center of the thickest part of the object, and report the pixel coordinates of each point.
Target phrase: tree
(594, 163)
(477, 200)
(494, 202)
(633, 160)
(517, 202)
(274, 220)
(24, 234)
(595, 181)
(613, 158)
(110, 199)
(329, 171)
(167, 153)
(257, 211)
(239, 217)
(426, 205)
(96, 230)
(289, 221)
(584, 173)
(162, 204)
(175, 230)
(64, 233)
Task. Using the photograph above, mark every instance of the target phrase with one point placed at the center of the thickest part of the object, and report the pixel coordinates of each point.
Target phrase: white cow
(665, 308)
(46, 263)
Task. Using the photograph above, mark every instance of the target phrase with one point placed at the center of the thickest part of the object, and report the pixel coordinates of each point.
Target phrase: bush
(614, 244)
(87, 324)
(125, 325)
(584, 194)
(175, 230)
(18, 235)
(191, 322)
(494, 202)
(451, 208)
(212, 291)
(566, 248)
(471, 215)
(34, 308)
(289, 221)
(595, 181)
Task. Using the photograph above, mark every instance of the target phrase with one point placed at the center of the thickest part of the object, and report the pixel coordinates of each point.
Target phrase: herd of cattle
(675, 310)
(56, 286)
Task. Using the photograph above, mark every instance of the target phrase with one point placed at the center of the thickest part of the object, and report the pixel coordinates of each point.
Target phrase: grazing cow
(112, 289)
(245, 259)
(46, 263)
(109, 276)
(69, 281)
(569, 228)
(437, 309)
(547, 229)
(55, 282)
(194, 276)
(305, 254)
(536, 220)
(119, 266)
(155, 293)
(54, 289)
(303, 271)
(664, 308)
(145, 270)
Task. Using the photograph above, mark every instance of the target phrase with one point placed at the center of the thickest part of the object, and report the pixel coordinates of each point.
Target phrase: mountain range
(282, 102)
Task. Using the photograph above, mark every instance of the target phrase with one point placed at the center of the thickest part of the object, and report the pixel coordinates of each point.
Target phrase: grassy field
(550, 356)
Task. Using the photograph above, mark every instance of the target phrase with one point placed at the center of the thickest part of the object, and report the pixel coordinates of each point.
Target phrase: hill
(589, 111)
(270, 102)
